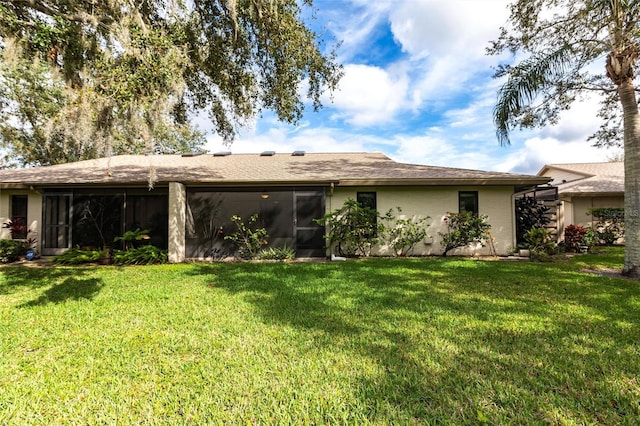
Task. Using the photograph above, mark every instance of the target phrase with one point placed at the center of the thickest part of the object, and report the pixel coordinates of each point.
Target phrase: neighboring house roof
(347, 169)
(588, 178)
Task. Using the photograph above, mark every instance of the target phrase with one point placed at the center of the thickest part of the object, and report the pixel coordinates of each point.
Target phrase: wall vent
(298, 153)
(267, 153)
(221, 153)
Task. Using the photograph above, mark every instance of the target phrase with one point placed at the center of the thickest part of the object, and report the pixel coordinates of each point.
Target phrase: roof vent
(191, 154)
(267, 153)
(221, 153)
(298, 153)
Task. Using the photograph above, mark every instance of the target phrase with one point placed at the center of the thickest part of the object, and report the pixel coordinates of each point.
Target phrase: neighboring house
(583, 186)
(186, 201)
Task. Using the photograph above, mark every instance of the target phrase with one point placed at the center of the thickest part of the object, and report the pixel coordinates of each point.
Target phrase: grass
(383, 341)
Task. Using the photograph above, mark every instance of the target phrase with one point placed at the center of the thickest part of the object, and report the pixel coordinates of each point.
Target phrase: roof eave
(444, 182)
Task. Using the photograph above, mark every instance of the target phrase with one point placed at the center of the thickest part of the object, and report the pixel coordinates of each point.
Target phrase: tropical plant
(277, 253)
(540, 243)
(403, 233)
(248, 238)
(559, 40)
(130, 237)
(143, 255)
(464, 229)
(529, 214)
(352, 229)
(610, 223)
(82, 79)
(77, 256)
(17, 229)
(574, 236)
(11, 250)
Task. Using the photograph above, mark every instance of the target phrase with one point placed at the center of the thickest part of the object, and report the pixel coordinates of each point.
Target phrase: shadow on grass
(497, 335)
(69, 289)
(17, 277)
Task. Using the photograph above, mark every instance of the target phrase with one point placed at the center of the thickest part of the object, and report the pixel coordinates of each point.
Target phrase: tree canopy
(565, 49)
(562, 48)
(80, 79)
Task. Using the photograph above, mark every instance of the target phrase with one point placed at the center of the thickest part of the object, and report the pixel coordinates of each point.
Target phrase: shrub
(463, 229)
(130, 237)
(78, 256)
(574, 236)
(144, 255)
(529, 214)
(249, 241)
(610, 223)
(11, 250)
(540, 243)
(402, 235)
(273, 253)
(353, 229)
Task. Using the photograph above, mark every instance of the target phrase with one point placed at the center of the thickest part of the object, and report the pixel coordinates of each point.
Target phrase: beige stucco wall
(576, 208)
(495, 202)
(34, 213)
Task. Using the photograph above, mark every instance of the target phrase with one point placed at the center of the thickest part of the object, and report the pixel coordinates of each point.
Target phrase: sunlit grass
(382, 341)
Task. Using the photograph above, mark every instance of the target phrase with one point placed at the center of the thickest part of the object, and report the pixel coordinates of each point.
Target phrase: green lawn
(381, 341)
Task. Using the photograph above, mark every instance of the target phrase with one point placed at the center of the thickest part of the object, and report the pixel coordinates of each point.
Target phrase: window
(18, 217)
(468, 202)
(368, 200)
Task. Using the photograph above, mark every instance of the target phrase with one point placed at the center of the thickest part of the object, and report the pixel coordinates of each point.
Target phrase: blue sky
(418, 87)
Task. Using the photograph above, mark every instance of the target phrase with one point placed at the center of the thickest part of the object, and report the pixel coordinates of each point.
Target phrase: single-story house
(584, 186)
(186, 201)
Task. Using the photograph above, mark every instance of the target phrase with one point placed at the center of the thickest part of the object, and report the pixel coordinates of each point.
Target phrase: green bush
(11, 250)
(248, 240)
(540, 244)
(144, 255)
(402, 235)
(273, 253)
(610, 223)
(463, 229)
(352, 229)
(79, 256)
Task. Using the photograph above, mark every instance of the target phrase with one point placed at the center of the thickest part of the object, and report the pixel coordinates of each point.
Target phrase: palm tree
(558, 51)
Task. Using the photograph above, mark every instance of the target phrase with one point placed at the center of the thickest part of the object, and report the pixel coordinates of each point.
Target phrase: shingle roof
(612, 168)
(599, 178)
(246, 169)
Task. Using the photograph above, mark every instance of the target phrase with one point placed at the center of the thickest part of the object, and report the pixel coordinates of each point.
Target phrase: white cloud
(370, 95)
(443, 28)
(540, 151)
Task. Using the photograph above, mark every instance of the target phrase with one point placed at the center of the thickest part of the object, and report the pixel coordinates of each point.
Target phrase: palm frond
(525, 82)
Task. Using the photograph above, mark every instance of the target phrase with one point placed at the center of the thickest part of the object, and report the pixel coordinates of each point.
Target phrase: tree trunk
(631, 178)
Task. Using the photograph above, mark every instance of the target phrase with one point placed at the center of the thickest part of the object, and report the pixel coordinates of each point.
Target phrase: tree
(82, 79)
(559, 41)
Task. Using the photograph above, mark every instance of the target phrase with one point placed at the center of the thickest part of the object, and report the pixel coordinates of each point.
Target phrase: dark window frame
(19, 220)
(463, 204)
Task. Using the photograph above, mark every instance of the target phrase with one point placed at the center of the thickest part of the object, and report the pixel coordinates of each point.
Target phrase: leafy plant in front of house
(17, 229)
(464, 229)
(610, 223)
(403, 233)
(540, 244)
(574, 237)
(277, 253)
(11, 250)
(248, 238)
(143, 255)
(129, 238)
(529, 214)
(352, 229)
(78, 256)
